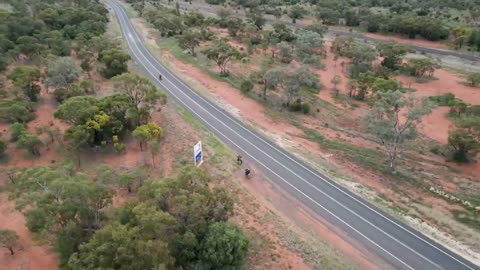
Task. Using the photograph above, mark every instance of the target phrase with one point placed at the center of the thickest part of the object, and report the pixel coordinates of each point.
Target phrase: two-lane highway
(394, 242)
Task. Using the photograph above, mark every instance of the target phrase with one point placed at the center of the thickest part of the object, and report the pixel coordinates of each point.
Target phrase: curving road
(399, 245)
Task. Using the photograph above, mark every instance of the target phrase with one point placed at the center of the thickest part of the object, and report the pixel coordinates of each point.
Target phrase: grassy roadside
(370, 159)
(314, 250)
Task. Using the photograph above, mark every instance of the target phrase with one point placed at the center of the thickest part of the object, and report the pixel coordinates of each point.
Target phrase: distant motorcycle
(248, 173)
(239, 160)
(160, 77)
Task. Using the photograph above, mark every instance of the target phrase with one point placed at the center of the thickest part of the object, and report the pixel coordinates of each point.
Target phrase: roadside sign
(198, 154)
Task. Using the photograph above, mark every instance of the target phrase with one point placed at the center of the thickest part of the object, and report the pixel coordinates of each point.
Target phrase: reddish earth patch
(446, 82)
(436, 125)
(253, 112)
(28, 255)
(245, 107)
(333, 66)
(44, 118)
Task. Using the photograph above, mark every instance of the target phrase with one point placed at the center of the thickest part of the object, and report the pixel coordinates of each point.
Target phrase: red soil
(447, 82)
(28, 255)
(253, 112)
(332, 67)
(245, 107)
(436, 125)
(268, 194)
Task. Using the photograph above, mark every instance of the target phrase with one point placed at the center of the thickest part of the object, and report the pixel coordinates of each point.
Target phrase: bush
(61, 94)
(435, 150)
(119, 147)
(12, 112)
(246, 86)
(305, 108)
(16, 131)
(3, 146)
(447, 99)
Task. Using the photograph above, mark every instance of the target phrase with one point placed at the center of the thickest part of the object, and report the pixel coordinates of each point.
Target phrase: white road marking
(346, 208)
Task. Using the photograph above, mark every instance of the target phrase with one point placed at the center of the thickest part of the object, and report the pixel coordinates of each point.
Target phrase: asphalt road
(397, 244)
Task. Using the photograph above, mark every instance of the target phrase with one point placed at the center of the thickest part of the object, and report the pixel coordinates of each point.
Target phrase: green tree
(224, 247)
(114, 61)
(154, 149)
(465, 139)
(335, 81)
(223, 14)
(146, 133)
(31, 143)
(16, 112)
(62, 72)
(77, 110)
(385, 85)
(29, 46)
(362, 56)
(78, 137)
(189, 40)
(463, 143)
(297, 80)
(87, 60)
(285, 52)
(309, 46)
(193, 18)
(392, 54)
(221, 52)
(318, 28)
(168, 24)
(121, 247)
(281, 33)
(60, 202)
(143, 94)
(17, 130)
(393, 120)
(9, 240)
(255, 17)
(296, 12)
(473, 79)
(421, 67)
(327, 15)
(25, 78)
(234, 25)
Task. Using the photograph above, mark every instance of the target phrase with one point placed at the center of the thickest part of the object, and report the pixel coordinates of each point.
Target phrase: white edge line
(328, 182)
(314, 173)
(288, 183)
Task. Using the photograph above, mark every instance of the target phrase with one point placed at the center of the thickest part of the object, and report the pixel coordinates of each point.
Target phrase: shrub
(16, 131)
(246, 86)
(12, 112)
(305, 108)
(435, 150)
(447, 99)
(119, 147)
(3, 146)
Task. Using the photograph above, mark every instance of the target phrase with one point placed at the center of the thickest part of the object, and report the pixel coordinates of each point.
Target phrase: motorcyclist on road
(239, 160)
(247, 173)
(160, 77)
